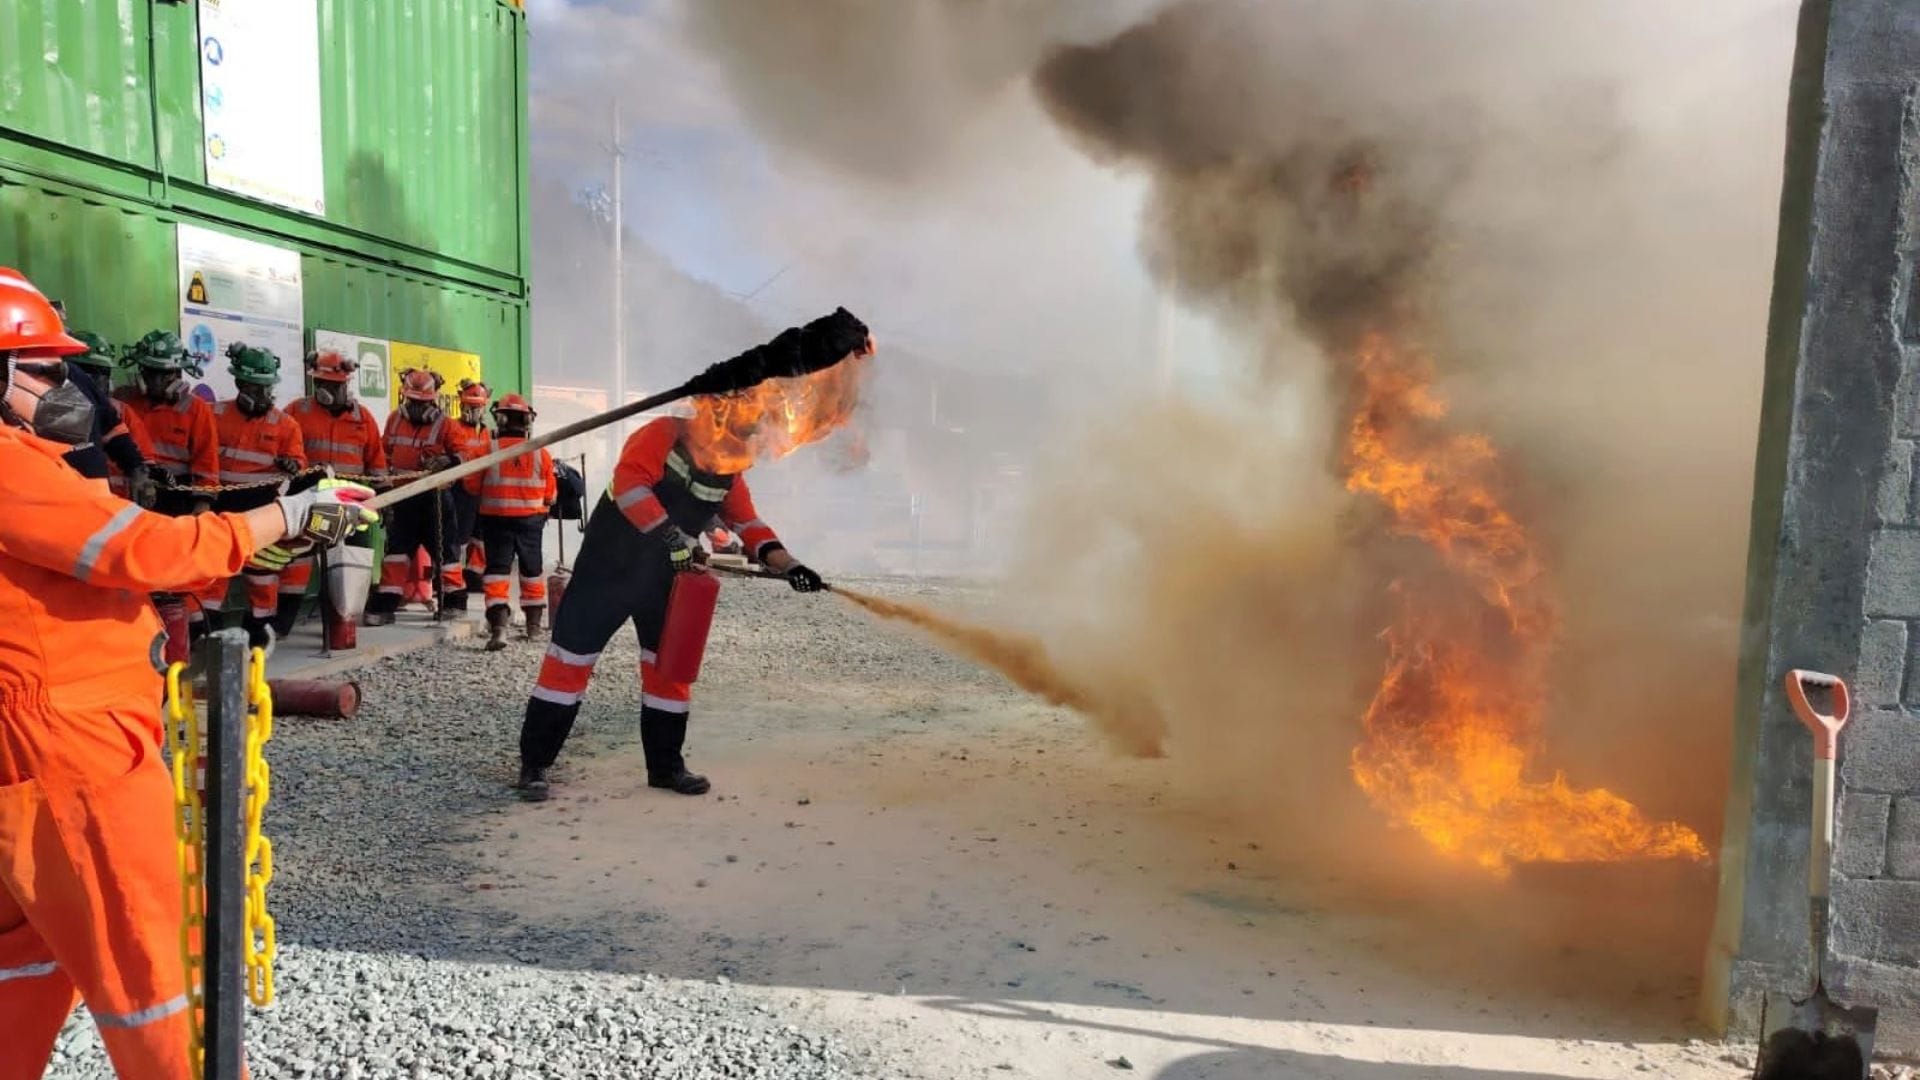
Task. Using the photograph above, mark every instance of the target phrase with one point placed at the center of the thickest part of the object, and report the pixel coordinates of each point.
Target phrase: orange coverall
(182, 437)
(350, 443)
(468, 441)
(249, 446)
(90, 892)
(515, 496)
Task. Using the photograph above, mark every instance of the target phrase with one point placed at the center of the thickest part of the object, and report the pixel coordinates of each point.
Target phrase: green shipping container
(422, 125)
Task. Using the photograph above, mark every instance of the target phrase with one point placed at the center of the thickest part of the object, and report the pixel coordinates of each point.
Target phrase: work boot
(532, 784)
(455, 601)
(682, 781)
(534, 615)
(499, 618)
(377, 618)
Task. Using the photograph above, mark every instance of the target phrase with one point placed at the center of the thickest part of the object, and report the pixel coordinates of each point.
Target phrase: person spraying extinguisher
(642, 534)
(515, 496)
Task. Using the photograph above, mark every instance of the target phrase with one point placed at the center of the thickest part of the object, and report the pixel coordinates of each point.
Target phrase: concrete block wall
(1834, 560)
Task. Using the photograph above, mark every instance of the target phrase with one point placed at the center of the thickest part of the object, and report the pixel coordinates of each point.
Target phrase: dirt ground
(908, 852)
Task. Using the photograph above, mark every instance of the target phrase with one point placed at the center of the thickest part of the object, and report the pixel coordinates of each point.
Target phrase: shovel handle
(1824, 726)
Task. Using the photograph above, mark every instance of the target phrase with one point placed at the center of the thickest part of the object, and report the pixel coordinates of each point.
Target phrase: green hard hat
(160, 349)
(249, 364)
(99, 354)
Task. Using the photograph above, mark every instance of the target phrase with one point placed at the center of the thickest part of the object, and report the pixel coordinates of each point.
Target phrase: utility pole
(619, 275)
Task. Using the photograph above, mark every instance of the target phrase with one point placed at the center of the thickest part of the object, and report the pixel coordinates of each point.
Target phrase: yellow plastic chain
(183, 739)
(260, 947)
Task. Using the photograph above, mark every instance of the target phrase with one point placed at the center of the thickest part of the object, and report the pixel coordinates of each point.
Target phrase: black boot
(454, 601)
(287, 615)
(662, 734)
(684, 782)
(499, 617)
(534, 615)
(532, 784)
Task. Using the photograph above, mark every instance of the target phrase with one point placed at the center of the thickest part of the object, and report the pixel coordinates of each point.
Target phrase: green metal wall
(423, 113)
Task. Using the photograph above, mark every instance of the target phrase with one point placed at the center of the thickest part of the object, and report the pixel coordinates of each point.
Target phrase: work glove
(439, 462)
(327, 513)
(804, 579)
(290, 466)
(272, 558)
(143, 488)
(680, 548)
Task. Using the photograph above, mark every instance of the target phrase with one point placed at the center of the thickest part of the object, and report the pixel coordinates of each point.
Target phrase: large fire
(1454, 725)
(727, 433)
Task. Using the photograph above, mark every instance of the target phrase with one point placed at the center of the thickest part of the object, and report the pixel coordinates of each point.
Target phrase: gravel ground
(384, 971)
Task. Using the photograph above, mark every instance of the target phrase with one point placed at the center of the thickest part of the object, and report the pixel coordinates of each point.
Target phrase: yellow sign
(452, 366)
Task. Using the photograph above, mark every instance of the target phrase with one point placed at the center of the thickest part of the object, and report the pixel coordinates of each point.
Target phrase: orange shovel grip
(1825, 727)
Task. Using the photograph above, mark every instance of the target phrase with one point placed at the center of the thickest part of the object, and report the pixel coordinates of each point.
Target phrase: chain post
(226, 655)
(184, 753)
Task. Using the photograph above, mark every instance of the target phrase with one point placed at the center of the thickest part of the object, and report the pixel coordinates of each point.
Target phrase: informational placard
(260, 100)
(374, 376)
(234, 290)
(452, 366)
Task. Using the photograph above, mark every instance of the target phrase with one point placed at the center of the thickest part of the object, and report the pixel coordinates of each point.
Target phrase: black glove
(679, 548)
(290, 466)
(439, 462)
(803, 579)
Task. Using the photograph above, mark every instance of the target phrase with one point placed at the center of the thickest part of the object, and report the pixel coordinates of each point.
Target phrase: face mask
(254, 400)
(422, 412)
(514, 428)
(163, 386)
(472, 415)
(63, 414)
(332, 395)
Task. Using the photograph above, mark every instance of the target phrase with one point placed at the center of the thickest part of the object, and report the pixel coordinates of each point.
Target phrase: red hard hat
(474, 393)
(331, 366)
(513, 403)
(419, 384)
(28, 322)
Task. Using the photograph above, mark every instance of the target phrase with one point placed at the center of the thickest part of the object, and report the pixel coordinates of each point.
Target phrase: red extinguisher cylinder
(315, 697)
(683, 640)
(173, 617)
(556, 589)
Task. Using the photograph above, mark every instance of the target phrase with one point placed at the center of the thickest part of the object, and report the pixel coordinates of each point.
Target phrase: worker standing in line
(416, 441)
(179, 426)
(259, 445)
(116, 450)
(466, 554)
(90, 892)
(339, 433)
(514, 496)
(642, 533)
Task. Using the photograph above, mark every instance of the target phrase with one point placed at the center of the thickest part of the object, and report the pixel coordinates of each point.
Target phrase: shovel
(1813, 1011)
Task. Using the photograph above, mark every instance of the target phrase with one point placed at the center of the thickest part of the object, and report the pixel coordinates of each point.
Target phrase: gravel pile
(385, 972)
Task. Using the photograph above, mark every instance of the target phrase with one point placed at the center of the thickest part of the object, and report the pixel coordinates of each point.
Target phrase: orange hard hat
(474, 394)
(419, 384)
(330, 366)
(28, 321)
(513, 403)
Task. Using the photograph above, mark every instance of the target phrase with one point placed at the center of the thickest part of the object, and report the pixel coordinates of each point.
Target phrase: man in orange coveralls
(89, 881)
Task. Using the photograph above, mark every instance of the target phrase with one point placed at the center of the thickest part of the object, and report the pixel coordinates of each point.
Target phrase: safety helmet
(161, 350)
(474, 395)
(330, 366)
(420, 384)
(99, 356)
(28, 321)
(509, 403)
(250, 364)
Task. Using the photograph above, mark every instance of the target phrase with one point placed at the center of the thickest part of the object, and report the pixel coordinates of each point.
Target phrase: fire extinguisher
(173, 617)
(683, 638)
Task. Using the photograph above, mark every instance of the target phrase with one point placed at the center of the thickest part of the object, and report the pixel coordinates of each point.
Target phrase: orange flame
(727, 433)
(1453, 726)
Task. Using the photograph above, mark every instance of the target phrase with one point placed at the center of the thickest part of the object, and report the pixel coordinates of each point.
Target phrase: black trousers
(511, 542)
(621, 576)
(465, 525)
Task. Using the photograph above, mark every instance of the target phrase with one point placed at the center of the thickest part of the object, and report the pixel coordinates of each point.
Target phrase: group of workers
(91, 901)
(162, 446)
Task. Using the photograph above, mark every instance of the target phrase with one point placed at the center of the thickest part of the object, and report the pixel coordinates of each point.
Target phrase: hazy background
(1078, 230)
